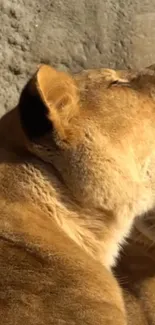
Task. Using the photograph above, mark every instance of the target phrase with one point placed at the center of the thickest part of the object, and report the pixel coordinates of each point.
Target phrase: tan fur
(75, 160)
(136, 272)
(136, 268)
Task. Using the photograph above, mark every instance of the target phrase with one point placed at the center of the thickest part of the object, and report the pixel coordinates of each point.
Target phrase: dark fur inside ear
(33, 113)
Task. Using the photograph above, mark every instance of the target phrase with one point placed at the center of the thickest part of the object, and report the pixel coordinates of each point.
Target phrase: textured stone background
(71, 34)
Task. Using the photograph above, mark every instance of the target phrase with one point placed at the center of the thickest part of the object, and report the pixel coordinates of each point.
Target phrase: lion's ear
(47, 102)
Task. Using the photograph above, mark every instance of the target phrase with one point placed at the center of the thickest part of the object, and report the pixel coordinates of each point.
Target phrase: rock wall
(71, 34)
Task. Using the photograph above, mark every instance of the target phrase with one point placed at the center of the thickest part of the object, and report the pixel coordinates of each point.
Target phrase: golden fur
(75, 163)
(136, 267)
(136, 272)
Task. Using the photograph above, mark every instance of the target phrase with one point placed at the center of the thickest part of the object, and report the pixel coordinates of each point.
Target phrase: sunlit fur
(136, 268)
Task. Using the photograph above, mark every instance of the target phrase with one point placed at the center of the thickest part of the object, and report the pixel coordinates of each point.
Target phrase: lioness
(76, 157)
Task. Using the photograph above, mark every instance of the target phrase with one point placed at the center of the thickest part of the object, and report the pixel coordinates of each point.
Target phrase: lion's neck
(94, 231)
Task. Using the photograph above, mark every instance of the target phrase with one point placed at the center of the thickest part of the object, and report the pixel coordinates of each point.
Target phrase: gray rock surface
(71, 35)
